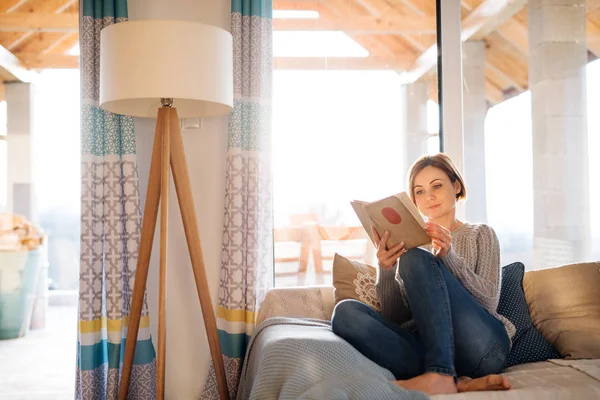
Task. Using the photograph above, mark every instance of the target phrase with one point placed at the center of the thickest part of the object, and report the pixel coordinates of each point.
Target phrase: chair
(315, 234)
(292, 234)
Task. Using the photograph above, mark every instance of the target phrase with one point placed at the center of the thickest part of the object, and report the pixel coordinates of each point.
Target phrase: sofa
(562, 306)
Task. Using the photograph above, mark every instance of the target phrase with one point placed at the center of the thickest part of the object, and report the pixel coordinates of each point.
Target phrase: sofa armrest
(300, 302)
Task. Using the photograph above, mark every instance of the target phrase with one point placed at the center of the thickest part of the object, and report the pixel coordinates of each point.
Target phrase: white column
(415, 133)
(475, 110)
(452, 95)
(20, 140)
(557, 75)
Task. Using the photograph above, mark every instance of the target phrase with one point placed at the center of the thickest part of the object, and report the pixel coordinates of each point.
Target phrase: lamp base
(168, 156)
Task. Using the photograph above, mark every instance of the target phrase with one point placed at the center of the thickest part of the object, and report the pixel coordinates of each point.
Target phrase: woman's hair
(440, 161)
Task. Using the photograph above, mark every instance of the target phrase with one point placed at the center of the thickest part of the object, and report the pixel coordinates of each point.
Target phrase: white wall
(188, 354)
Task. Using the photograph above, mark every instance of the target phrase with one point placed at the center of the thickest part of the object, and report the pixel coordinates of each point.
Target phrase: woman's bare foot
(489, 382)
(430, 383)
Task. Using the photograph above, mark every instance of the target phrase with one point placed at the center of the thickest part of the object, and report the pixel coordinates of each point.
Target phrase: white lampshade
(144, 61)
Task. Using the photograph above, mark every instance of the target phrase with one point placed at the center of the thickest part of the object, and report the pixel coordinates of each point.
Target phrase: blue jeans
(454, 333)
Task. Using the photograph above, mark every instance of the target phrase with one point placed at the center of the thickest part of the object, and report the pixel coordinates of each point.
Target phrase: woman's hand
(387, 257)
(441, 239)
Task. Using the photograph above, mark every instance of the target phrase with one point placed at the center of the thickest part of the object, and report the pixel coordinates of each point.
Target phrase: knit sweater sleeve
(483, 282)
(393, 308)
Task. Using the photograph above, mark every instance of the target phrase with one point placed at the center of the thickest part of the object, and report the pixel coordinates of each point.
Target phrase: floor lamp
(147, 68)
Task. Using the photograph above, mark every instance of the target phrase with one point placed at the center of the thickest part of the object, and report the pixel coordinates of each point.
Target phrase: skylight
(315, 44)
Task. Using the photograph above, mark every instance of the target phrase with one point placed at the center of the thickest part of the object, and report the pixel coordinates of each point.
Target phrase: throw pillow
(528, 344)
(354, 280)
(565, 307)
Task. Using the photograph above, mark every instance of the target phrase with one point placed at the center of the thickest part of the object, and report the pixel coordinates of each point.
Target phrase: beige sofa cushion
(565, 306)
(298, 302)
(354, 280)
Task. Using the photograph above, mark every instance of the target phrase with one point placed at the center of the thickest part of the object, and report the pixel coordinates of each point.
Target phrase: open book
(396, 214)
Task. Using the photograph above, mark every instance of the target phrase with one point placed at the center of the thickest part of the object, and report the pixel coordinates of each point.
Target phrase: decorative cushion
(528, 344)
(565, 307)
(354, 280)
(297, 302)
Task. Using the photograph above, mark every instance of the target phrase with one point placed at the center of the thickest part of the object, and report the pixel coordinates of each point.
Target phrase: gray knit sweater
(474, 259)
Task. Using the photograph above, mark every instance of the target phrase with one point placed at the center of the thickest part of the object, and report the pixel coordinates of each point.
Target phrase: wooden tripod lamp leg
(162, 291)
(144, 252)
(188, 214)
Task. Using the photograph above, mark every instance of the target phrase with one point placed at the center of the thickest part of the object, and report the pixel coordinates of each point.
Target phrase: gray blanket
(291, 358)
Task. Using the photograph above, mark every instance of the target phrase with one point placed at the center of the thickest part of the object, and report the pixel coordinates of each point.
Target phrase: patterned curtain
(247, 255)
(110, 229)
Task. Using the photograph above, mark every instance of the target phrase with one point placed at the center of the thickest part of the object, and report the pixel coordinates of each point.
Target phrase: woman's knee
(348, 316)
(413, 261)
(492, 362)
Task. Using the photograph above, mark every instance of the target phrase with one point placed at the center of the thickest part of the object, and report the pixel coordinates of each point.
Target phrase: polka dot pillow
(528, 344)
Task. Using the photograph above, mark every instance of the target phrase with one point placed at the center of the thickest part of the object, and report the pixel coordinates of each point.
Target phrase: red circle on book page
(391, 215)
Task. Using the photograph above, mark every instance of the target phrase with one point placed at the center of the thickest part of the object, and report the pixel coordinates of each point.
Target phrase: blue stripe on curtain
(233, 345)
(253, 8)
(93, 356)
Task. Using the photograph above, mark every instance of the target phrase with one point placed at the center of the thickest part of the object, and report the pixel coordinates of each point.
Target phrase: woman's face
(434, 193)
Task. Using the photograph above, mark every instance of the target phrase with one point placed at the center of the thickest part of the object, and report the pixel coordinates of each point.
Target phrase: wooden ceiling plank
(40, 6)
(493, 93)
(61, 46)
(7, 38)
(371, 25)
(498, 80)
(38, 22)
(504, 77)
(426, 7)
(420, 41)
(512, 64)
(515, 33)
(12, 5)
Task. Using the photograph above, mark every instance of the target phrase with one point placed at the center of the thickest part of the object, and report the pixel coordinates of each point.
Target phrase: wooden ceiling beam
(11, 5)
(593, 37)
(39, 22)
(14, 67)
(479, 23)
(40, 6)
(371, 25)
(490, 14)
(515, 33)
(341, 63)
(493, 93)
(62, 45)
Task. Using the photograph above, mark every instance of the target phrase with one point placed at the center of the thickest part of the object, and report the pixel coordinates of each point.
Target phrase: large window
(345, 100)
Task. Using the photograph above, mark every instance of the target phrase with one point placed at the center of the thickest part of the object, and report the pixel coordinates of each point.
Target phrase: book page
(393, 215)
(410, 206)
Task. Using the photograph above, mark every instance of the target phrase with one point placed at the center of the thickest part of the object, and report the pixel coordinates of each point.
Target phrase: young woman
(438, 317)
